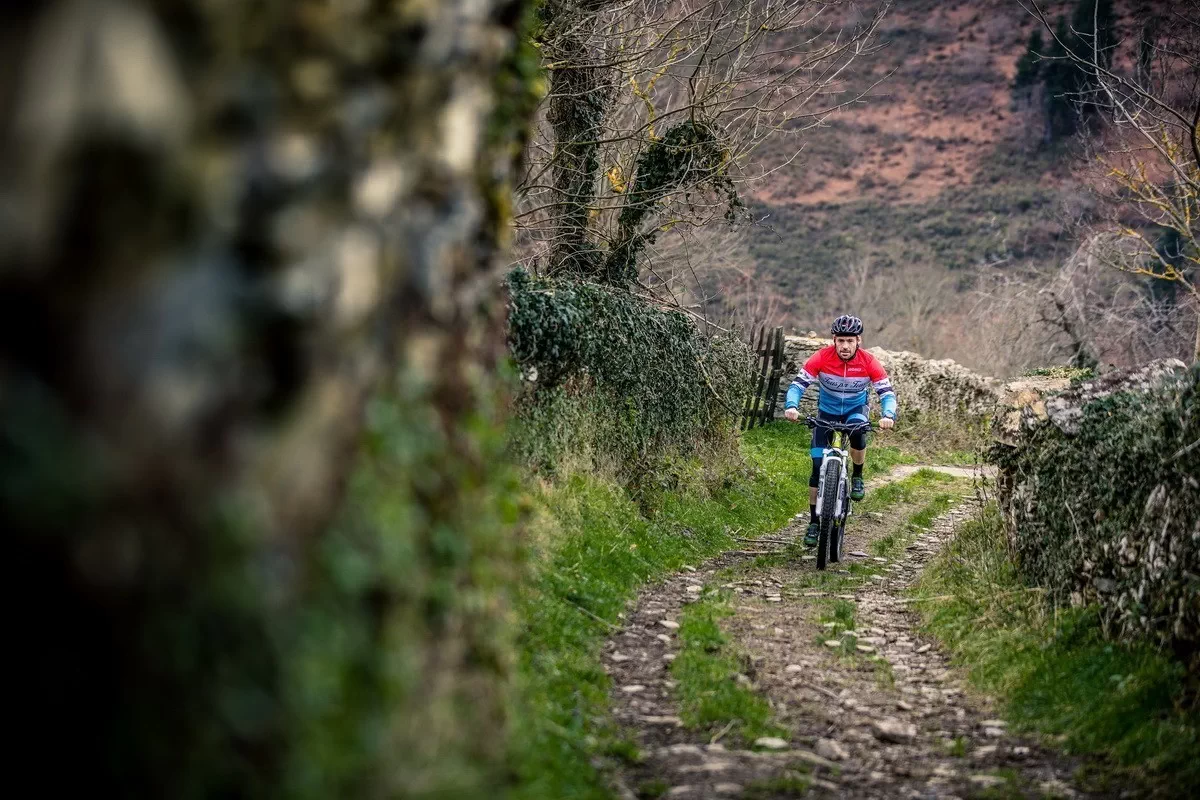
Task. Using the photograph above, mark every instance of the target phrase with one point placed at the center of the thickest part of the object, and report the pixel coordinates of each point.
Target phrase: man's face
(846, 346)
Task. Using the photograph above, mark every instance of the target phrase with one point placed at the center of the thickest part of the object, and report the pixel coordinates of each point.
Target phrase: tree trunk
(581, 90)
(220, 225)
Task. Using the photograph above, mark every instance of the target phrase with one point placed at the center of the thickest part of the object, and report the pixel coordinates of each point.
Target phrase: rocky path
(873, 712)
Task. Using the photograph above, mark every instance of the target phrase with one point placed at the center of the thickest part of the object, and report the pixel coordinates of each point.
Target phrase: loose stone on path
(771, 743)
(893, 730)
(832, 750)
(892, 722)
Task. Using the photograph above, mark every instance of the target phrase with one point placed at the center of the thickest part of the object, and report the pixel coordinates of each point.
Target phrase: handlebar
(844, 427)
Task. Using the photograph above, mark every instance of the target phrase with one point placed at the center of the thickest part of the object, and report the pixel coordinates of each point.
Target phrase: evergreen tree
(1061, 78)
(1029, 67)
(1092, 32)
(1070, 86)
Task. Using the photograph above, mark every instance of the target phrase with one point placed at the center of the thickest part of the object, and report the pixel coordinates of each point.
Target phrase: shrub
(612, 379)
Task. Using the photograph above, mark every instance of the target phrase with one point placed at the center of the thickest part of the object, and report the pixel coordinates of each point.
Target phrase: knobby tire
(835, 544)
(828, 527)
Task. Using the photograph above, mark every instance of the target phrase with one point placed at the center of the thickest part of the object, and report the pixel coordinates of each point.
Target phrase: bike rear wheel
(829, 511)
(835, 543)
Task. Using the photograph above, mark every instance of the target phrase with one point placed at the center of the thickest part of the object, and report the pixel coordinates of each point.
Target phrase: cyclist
(844, 371)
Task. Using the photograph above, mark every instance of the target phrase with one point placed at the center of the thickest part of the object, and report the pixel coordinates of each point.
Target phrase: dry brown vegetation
(935, 209)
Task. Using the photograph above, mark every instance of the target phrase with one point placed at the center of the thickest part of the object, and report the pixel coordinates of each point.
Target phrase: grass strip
(713, 690)
(1057, 675)
(593, 547)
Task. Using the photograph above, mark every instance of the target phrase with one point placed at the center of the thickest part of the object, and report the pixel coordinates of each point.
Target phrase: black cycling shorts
(820, 436)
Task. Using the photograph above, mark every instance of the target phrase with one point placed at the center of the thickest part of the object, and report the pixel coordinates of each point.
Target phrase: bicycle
(833, 488)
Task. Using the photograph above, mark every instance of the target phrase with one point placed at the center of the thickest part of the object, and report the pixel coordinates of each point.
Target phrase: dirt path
(873, 713)
(904, 470)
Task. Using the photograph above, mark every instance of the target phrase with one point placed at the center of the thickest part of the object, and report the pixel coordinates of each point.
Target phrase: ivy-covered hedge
(1102, 492)
(607, 375)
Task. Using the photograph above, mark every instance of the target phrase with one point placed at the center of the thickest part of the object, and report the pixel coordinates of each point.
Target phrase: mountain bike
(833, 487)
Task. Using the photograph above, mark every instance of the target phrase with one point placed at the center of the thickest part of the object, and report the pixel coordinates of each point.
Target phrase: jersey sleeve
(805, 378)
(883, 387)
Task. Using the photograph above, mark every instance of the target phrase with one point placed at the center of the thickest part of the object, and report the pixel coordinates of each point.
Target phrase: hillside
(908, 204)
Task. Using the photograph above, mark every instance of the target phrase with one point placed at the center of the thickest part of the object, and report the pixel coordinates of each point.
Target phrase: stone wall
(1098, 482)
(922, 385)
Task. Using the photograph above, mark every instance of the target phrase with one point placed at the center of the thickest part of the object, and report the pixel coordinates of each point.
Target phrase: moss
(1107, 514)
(1054, 672)
(398, 662)
(177, 433)
(1073, 374)
(689, 156)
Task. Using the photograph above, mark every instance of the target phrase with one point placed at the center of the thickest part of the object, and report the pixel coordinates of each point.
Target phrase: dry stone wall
(1100, 485)
(923, 385)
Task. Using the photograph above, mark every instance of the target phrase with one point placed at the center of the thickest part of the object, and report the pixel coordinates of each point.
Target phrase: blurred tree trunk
(223, 227)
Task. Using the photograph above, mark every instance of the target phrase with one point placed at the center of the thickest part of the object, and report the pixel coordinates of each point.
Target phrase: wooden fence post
(753, 397)
(772, 397)
(764, 351)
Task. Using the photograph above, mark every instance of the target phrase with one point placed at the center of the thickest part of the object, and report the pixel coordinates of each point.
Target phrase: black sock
(812, 513)
(857, 471)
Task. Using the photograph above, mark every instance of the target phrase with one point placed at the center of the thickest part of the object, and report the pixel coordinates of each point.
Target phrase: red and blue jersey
(843, 384)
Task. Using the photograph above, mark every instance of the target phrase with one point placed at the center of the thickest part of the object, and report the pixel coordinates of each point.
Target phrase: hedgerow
(1106, 509)
(609, 377)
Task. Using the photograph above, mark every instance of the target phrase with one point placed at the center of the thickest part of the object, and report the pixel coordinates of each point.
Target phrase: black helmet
(846, 325)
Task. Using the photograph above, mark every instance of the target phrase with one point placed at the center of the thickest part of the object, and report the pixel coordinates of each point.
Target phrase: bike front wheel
(829, 511)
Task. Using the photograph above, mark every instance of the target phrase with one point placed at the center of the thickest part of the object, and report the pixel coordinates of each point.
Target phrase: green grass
(623, 749)
(885, 675)
(888, 545)
(653, 789)
(765, 446)
(706, 668)
(935, 438)
(842, 612)
(1056, 674)
(893, 543)
(908, 490)
(921, 489)
(794, 782)
(1013, 787)
(832, 581)
(593, 548)
(932, 510)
